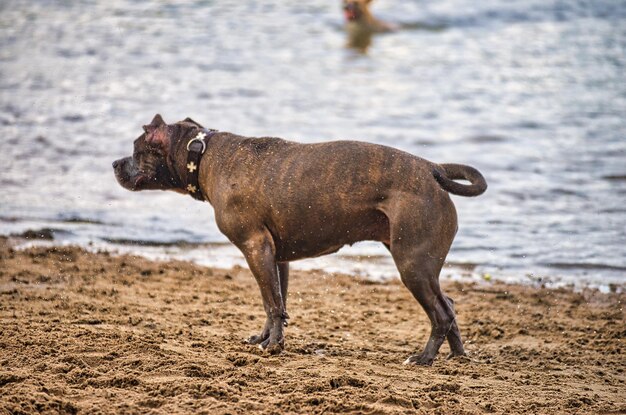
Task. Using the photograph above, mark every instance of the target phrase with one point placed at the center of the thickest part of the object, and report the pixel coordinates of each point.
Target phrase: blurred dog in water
(280, 201)
(361, 24)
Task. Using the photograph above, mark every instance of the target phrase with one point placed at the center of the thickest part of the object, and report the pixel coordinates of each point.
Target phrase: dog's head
(354, 10)
(154, 155)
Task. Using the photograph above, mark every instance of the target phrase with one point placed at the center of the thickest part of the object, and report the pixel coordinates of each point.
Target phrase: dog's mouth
(351, 12)
(135, 182)
(128, 177)
(139, 181)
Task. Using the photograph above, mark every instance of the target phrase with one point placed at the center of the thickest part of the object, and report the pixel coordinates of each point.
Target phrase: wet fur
(280, 201)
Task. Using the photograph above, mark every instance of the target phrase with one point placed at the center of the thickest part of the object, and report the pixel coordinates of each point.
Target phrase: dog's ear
(157, 133)
(156, 122)
(189, 120)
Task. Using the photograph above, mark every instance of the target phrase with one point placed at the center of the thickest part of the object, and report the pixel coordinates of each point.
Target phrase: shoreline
(367, 262)
(84, 331)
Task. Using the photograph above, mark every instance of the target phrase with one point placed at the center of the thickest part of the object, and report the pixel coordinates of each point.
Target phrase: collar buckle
(199, 138)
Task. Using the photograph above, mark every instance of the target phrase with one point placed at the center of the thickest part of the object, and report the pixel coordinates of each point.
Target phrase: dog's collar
(195, 149)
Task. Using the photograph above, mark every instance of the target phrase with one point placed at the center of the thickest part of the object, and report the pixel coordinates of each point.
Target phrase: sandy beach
(94, 333)
(88, 332)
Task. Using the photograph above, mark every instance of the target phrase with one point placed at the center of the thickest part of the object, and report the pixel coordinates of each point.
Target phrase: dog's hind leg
(421, 278)
(420, 241)
(454, 335)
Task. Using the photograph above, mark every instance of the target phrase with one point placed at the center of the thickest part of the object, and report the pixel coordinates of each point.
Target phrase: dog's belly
(316, 236)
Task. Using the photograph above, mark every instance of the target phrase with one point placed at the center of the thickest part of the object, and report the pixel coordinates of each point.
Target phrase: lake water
(532, 93)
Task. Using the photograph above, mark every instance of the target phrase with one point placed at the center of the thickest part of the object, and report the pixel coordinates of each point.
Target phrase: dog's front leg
(283, 274)
(265, 333)
(261, 257)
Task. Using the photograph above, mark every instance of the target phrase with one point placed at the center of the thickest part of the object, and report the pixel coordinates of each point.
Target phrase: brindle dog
(279, 201)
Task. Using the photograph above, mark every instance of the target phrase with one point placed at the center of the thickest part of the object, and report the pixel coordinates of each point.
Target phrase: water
(531, 93)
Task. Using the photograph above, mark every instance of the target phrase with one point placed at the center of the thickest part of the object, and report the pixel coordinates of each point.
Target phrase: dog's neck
(184, 161)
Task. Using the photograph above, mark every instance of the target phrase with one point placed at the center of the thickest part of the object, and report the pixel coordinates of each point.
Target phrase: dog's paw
(257, 339)
(272, 346)
(467, 358)
(419, 360)
(460, 356)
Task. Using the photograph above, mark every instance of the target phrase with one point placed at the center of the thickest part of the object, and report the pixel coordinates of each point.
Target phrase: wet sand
(94, 333)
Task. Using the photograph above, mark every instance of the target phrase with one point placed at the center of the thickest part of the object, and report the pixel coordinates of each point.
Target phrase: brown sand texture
(91, 333)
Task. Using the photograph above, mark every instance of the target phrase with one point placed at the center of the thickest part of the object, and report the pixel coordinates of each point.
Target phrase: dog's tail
(445, 174)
